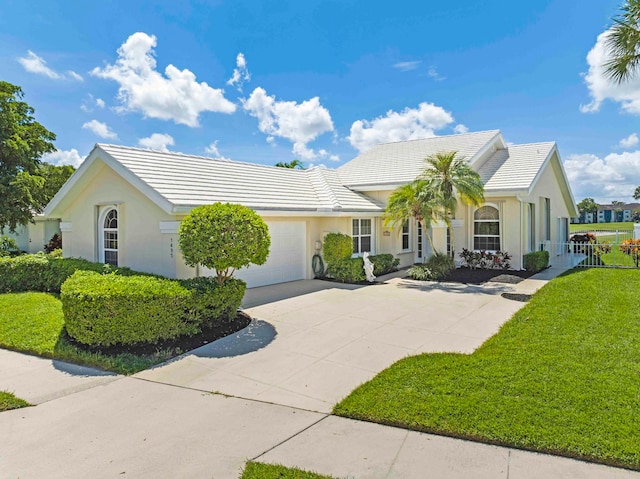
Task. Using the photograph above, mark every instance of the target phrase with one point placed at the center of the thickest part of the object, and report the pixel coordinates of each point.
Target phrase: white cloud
(433, 73)
(272, 141)
(460, 128)
(63, 157)
(602, 88)
(407, 66)
(36, 64)
(157, 141)
(409, 124)
(240, 73)
(89, 102)
(99, 102)
(299, 123)
(101, 129)
(212, 149)
(630, 141)
(176, 95)
(613, 177)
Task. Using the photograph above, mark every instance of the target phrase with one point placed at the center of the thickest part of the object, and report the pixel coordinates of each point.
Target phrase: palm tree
(449, 177)
(623, 43)
(411, 201)
(294, 164)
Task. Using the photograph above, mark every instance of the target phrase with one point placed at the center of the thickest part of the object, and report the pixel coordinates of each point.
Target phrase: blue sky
(320, 81)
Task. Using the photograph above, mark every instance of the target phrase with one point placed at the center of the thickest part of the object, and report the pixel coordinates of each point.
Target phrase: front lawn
(33, 323)
(9, 401)
(257, 470)
(563, 376)
(620, 226)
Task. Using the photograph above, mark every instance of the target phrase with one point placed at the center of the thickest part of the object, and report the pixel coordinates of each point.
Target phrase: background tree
(54, 177)
(588, 205)
(224, 237)
(297, 164)
(411, 201)
(636, 194)
(448, 177)
(623, 43)
(23, 141)
(617, 209)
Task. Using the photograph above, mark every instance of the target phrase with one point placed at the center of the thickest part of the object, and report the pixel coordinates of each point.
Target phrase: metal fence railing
(599, 254)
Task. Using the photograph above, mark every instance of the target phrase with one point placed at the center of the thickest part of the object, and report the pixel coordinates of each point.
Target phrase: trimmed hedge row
(536, 261)
(40, 272)
(351, 270)
(108, 310)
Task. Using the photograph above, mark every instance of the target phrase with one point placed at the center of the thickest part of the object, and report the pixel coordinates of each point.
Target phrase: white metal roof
(514, 168)
(402, 162)
(187, 180)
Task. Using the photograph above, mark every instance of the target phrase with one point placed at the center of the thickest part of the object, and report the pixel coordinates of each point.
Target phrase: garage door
(287, 257)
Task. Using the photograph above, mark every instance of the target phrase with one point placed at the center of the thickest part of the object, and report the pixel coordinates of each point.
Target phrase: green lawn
(626, 225)
(563, 376)
(257, 470)
(33, 323)
(9, 401)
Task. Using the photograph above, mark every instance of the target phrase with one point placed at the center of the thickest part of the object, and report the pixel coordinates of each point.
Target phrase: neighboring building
(34, 236)
(124, 205)
(609, 214)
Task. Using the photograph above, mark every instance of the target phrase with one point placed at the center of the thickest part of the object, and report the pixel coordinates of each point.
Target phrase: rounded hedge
(337, 247)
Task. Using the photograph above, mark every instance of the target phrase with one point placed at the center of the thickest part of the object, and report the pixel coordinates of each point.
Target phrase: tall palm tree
(411, 201)
(294, 164)
(623, 43)
(449, 177)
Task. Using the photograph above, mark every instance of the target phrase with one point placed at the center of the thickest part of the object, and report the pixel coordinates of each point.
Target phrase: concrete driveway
(312, 342)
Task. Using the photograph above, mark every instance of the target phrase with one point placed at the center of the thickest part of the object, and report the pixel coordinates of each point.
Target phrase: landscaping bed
(560, 377)
(479, 276)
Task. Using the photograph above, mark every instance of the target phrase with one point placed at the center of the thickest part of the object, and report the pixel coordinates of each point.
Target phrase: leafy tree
(448, 178)
(617, 209)
(293, 164)
(224, 237)
(54, 177)
(22, 142)
(588, 205)
(411, 201)
(623, 43)
(636, 194)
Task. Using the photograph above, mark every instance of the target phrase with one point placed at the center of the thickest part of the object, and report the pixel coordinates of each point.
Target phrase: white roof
(403, 161)
(187, 181)
(514, 168)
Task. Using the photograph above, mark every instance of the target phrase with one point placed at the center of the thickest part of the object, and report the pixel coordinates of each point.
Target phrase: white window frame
(499, 221)
(101, 233)
(408, 235)
(358, 237)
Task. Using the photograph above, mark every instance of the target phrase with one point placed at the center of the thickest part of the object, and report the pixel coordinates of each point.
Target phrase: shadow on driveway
(252, 338)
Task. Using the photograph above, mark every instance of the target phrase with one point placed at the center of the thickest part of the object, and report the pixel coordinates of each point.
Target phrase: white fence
(604, 254)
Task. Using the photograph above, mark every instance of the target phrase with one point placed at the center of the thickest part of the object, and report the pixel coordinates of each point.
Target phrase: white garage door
(287, 258)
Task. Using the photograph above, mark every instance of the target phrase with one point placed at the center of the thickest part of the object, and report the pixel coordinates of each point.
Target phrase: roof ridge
(322, 188)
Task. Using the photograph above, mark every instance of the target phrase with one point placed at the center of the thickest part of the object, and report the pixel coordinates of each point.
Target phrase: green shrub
(536, 261)
(23, 273)
(224, 237)
(106, 310)
(46, 273)
(349, 270)
(7, 245)
(213, 302)
(337, 247)
(420, 272)
(440, 265)
(384, 263)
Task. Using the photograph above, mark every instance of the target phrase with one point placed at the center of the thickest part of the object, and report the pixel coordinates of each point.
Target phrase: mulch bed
(179, 345)
(479, 276)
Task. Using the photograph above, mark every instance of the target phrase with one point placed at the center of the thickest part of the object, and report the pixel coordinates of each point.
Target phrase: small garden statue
(368, 267)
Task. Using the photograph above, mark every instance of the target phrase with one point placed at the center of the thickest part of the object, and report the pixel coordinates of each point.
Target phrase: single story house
(123, 205)
(34, 236)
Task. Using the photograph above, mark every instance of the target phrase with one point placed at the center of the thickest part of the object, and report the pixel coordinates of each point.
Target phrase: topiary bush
(536, 261)
(212, 302)
(224, 237)
(384, 263)
(337, 247)
(349, 270)
(107, 310)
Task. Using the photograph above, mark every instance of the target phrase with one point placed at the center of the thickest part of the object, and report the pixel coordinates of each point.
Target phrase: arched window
(109, 237)
(486, 229)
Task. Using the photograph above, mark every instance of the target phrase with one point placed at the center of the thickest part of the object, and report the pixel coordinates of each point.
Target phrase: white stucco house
(34, 236)
(123, 205)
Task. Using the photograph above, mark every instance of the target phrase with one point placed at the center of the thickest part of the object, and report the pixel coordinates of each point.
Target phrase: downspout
(519, 198)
